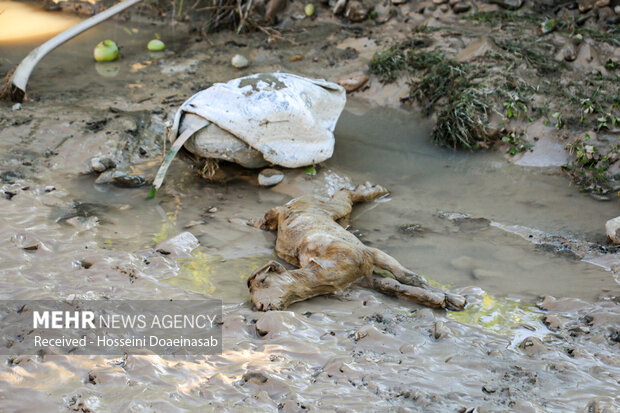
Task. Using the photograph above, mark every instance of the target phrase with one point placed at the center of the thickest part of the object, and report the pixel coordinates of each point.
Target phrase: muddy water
(21, 22)
(355, 351)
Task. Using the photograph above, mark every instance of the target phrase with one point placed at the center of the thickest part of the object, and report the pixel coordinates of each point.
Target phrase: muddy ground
(510, 231)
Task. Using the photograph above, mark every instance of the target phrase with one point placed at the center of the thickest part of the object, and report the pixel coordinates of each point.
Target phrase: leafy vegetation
(590, 167)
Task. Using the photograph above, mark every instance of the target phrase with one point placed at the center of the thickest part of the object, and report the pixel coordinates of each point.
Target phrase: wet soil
(505, 235)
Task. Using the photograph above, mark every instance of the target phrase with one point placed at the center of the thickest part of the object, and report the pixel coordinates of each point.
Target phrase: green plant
(590, 167)
(603, 121)
(387, 64)
(559, 123)
(513, 106)
(516, 143)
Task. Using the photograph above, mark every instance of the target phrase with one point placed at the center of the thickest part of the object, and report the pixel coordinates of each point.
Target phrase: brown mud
(502, 234)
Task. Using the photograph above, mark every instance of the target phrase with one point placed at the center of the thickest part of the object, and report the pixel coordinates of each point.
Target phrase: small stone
(121, 179)
(17, 106)
(181, 245)
(612, 227)
(508, 4)
(270, 177)
(602, 3)
(351, 84)
(477, 48)
(25, 242)
(552, 322)
(568, 52)
(356, 11)
(461, 7)
(532, 346)
(309, 10)
(397, 2)
(50, 188)
(239, 61)
(586, 5)
(212, 210)
(101, 164)
(440, 330)
(440, 1)
(489, 388)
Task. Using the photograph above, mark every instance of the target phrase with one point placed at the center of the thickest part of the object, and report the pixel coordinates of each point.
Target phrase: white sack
(275, 118)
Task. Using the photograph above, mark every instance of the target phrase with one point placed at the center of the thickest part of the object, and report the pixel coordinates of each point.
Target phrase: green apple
(106, 51)
(156, 45)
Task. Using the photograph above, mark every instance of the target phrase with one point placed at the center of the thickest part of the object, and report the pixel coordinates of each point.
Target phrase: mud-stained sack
(267, 118)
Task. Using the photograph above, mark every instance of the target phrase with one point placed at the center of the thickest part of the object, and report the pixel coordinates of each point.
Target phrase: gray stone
(612, 227)
(239, 61)
(181, 245)
(270, 177)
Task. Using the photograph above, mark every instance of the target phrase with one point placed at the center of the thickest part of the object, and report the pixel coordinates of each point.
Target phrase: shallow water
(20, 22)
(357, 350)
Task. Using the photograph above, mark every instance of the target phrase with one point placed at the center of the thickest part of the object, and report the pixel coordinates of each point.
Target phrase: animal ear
(271, 219)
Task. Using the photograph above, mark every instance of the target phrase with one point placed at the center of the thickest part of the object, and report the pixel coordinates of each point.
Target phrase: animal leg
(342, 201)
(410, 278)
(367, 192)
(423, 296)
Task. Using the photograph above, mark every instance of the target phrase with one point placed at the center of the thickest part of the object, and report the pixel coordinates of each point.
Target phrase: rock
(551, 303)
(121, 179)
(309, 10)
(49, 188)
(532, 346)
(482, 274)
(585, 5)
(461, 7)
(213, 142)
(476, 48)
(101, 164)
(508, 4)
(270, 177)
(181, 245)
(605, 13)
(17, 106)
(440, 1)
(240, 62)
(398, 2)
(547, 26)
(602, 3)
(588, 59)
(489, 388)
(356, 11)
(568, 52)
(612, 227)
(25, 242)
(440, 330)
(275, 323)
(552, 322)
(351, 84)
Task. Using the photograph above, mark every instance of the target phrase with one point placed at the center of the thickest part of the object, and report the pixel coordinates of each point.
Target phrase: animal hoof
(455, 302)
